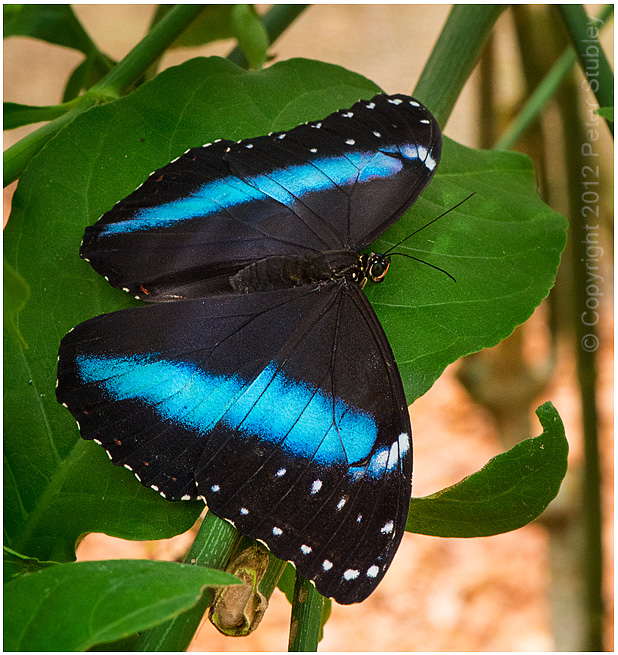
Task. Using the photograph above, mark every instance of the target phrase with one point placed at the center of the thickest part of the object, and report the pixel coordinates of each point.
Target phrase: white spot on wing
(277, 531)
(244, 511)
(341, 503)
(281, 472)
(351, 574)
(393, 456)
(327, 565)
(373, 571)
(215, 488)
(404, 443)
(350, 142)
(316, 486)
(387, 528)
(395, 101)
(306, 549)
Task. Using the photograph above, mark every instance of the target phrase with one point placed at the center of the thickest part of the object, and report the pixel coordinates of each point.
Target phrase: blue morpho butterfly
(259, 379)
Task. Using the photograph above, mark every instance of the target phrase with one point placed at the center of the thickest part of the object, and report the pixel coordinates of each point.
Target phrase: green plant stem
(537, 101)
(454, 57)
(584, 234)
(109, 88)
(18, 155)
(276, 20)
(306, 616)
(542, 94)
(591, 56)
(152, 46)
(213, 544)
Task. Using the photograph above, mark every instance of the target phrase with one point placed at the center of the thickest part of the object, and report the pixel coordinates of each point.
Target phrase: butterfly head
(372, 267)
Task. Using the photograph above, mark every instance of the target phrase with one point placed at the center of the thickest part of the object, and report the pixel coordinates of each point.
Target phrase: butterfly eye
(378, 268)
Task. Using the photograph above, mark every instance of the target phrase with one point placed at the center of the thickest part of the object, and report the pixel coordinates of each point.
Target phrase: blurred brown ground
(485, 594)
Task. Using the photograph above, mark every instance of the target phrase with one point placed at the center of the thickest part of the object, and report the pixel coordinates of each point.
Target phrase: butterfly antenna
(422, 261)
(427, 225)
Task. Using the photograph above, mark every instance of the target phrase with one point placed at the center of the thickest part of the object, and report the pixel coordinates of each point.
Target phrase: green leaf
(57, 486)
(502, 246)
(511, 490)
(16, 115)
(606, 112)
(251, 35)
(52, 23)
(100, 601)
(16, 294)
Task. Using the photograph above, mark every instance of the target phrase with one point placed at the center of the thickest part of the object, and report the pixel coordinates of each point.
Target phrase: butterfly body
(259, 378)
(286, 271)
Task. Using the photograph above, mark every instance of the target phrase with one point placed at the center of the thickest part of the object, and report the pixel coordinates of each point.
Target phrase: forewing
(284, 408)
(329, 184)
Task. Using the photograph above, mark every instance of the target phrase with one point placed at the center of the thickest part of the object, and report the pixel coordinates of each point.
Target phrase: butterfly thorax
(287, 271)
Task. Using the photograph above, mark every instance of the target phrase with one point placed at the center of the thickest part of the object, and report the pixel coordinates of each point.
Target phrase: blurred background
(521, 591)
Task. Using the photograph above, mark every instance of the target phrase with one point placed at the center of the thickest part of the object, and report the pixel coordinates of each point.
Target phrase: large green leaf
(502, 246)
(53, 23)
(100, 601)
(511, 490)
(16, 294)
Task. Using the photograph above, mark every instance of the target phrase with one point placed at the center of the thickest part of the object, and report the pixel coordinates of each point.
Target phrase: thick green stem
(595, 66)
(454, 57)
(152, 46)
(584, 205)
(306, 616)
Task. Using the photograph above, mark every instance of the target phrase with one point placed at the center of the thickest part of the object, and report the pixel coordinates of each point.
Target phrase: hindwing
(283, 409)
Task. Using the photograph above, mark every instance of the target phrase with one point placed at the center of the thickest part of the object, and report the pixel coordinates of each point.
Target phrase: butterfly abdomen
(287, 271)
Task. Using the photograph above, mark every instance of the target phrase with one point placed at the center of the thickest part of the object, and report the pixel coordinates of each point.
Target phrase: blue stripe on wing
(284, 185)
(304, 421)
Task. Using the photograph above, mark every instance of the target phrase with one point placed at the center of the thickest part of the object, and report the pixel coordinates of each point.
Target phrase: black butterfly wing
(285, 409)
(329, 184)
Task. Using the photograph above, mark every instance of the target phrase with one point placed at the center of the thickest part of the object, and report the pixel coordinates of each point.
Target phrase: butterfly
(258, 378)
